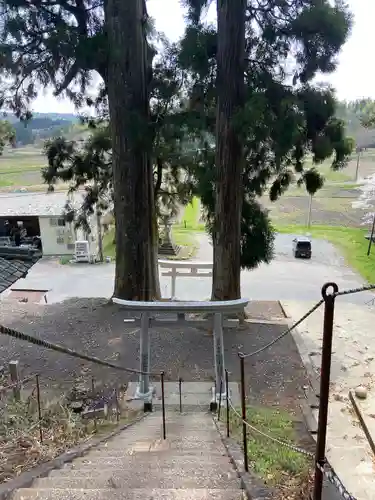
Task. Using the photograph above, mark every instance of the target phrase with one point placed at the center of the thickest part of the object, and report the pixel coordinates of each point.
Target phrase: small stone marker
(361, 392)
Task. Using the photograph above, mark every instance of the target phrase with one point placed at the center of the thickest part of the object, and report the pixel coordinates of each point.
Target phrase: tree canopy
(7, 134)
(287, 124)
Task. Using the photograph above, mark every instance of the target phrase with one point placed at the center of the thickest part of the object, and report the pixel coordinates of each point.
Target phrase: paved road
(286, 278)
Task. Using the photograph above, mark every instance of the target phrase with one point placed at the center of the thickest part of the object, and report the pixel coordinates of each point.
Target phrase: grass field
(22, 167)
(272, 462)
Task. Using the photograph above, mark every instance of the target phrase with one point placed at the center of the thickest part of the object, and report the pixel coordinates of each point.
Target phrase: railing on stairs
(75, 354)
(323, 469)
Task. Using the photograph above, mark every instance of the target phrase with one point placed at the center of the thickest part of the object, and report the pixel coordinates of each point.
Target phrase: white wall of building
(59, 237)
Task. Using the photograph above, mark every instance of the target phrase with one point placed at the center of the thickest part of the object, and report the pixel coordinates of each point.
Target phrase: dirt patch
(95, 327)
(269, 310)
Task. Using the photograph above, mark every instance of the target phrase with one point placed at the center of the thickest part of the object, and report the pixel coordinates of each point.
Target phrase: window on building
(55, 221)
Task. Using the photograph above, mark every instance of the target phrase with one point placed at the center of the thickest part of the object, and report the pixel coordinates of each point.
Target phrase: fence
(321, 465)
(40, 417)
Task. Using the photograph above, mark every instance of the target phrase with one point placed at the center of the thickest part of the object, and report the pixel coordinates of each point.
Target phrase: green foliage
(88, 165)
(50, 42)
(7, 134)
(359, 118)
(85, 166)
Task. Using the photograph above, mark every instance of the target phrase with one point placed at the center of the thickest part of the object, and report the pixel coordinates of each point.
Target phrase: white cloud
(354, 77)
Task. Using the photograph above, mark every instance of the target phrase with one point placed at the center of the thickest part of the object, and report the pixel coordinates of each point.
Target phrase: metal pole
(220, 360)
(93, 396)
(243, 403)
(357, 169)
(216, 355)
(325, 371)
(180, 392)
(163, 403)
(117, 406)
(39, 408)
(371, 237)
(309, 214)
(144, 378)
(221, 390)
(227, 395)
(15, 377)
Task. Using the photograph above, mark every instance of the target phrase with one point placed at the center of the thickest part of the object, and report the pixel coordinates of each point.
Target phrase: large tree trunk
(136, 248)
(229, 149)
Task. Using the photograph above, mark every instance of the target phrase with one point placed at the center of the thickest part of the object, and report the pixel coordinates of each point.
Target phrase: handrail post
(243, 404)
(39, 408)
(93, 397)
(227, 398)
(221, 390)
(144, 391)
(325, 374)
(117, 406)
(163, 403)
(180, 392)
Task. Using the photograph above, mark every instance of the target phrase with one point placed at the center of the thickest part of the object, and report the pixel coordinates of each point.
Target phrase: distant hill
(42, 126)
(52, 116)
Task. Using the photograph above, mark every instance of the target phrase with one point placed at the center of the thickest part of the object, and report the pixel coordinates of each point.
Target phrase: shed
(43, 215)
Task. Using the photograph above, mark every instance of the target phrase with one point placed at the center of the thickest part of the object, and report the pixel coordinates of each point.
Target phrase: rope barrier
(334, 479)
(70, 352)
(292, 447)
(284, 334)
(16, 384)
(350, 291)
(327, 469)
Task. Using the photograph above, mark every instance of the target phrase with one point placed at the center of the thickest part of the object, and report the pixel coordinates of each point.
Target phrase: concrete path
(353, 364)
(191, 464)
(286, 278)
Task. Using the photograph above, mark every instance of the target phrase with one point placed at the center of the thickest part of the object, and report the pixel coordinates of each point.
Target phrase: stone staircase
(138, 465)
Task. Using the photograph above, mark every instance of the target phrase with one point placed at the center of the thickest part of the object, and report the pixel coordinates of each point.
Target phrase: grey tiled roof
(13, 270)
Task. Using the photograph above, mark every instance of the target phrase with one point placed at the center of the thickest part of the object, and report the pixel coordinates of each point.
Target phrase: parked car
(302, 247)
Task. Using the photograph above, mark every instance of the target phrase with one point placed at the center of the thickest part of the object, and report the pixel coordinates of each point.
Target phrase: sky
(353, 79)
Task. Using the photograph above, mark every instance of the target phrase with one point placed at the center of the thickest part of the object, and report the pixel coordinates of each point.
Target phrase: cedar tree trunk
(137, 275)
(229, 150)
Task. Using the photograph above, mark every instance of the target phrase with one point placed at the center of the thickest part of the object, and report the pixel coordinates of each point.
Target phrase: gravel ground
(96, 327)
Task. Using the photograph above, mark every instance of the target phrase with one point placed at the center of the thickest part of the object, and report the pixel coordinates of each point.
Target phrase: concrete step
(135, 494)
(190, 465)
(169, 477)
(176, 415)
(152, 458)
(157, 445)
(185, 424)
(196, 437)
(163, 450)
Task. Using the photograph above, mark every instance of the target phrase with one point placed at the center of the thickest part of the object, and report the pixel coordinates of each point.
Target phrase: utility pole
(309, 214)
(100, 235)
(371, 236)
(357, 168)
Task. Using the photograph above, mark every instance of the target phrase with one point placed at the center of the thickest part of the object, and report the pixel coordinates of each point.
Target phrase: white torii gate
(215, 310)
